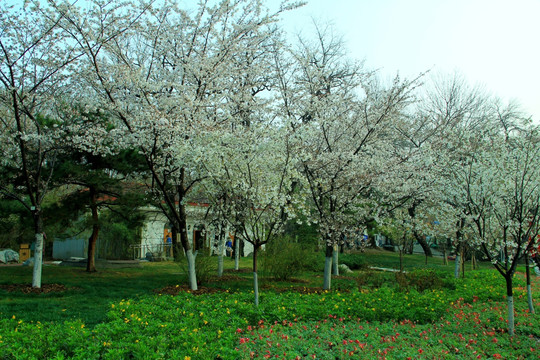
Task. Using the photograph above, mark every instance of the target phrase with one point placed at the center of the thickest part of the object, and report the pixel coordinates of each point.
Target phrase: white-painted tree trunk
(237, 254)
(457, 265)
(38, 261)
(510, 300)
(335, 261)
(191, 269)
(530, 299)
(327, 273)
(221, 249)
(256, 288)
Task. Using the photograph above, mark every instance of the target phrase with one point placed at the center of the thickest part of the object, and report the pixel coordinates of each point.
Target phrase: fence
(155, 251)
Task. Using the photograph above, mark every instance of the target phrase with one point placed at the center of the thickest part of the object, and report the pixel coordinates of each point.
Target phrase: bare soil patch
(176, 289)
(28, 289)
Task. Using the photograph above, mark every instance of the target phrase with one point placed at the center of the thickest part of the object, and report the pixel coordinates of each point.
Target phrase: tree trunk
(191, 257)
(474, 264)
(220, 262)
(255, 278)
(241, 247)
(176, 247)
(236, 254)
(38, 249)
(409, 247)
(191, 270)
(423, 243)
(456, 265)
(529, 291)
(400, 260)
(510, 300)
(328, 268)
(184, 240)
(462, 262)
(445, 257)
(221, 249)
(417, 236)
(335, 261)
(92, 241)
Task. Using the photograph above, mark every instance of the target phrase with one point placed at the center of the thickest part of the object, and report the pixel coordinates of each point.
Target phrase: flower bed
(468, 322)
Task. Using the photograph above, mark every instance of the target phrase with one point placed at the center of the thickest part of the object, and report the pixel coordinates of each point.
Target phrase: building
(155, 237)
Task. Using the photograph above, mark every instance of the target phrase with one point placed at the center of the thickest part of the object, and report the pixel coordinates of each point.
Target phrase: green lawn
(130, 313)
(89, 295)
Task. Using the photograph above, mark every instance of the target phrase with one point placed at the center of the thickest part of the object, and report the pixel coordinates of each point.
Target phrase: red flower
(420, 351)
(497, 356)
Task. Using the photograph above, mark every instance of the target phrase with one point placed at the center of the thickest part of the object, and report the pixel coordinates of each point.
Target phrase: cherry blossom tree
(343, 118)
(453, 111)
(502, 183)
(36, 61)
(256, 170)
(167, 79)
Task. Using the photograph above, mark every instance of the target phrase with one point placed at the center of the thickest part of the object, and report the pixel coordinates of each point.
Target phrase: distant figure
(169, 249)
(228, 247)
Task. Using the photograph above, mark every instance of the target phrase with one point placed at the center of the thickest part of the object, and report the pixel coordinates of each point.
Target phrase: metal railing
(155, 251)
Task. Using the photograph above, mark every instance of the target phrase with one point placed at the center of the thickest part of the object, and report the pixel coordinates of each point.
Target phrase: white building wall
(152, 232)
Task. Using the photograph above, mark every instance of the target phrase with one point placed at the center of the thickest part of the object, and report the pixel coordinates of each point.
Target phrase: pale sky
(492, 43)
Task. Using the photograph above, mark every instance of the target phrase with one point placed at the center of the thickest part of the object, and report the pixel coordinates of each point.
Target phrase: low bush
(423, 279)
(312, 260)
(205, 268)
(354, 261)
(283, 258)
(373, 279)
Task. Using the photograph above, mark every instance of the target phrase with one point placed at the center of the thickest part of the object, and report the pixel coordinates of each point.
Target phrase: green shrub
(354, 261)
(205, 267)
(423, 279)
(283, 258)
(312, 260)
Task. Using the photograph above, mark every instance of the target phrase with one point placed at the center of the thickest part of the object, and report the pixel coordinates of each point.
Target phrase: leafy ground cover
(462, 318)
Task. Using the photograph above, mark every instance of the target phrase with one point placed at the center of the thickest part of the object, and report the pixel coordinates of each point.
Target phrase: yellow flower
(187, 358)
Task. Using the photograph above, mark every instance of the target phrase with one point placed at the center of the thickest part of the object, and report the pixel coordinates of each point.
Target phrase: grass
(116, 314)
(89, 295)
(387, 259)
